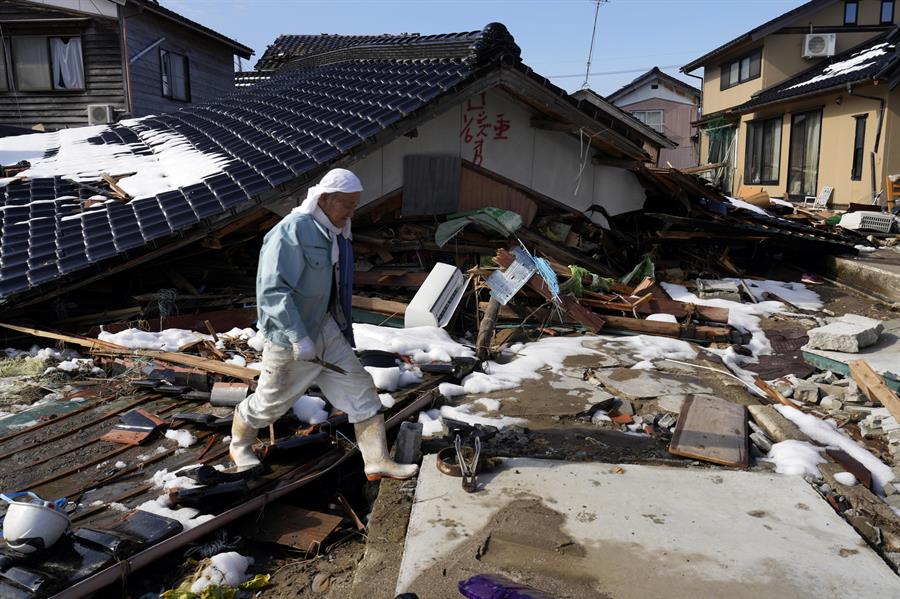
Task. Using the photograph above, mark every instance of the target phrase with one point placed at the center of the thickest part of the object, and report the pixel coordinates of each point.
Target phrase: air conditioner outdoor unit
(818, 45)
(101, 114)
(437, 298)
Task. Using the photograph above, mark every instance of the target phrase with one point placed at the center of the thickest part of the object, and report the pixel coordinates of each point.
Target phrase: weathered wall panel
(211, 63)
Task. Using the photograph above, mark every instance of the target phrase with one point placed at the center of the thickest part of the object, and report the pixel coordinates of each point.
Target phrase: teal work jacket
(294, 280)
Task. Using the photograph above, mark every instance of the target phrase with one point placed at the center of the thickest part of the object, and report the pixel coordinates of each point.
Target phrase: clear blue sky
(555, 35)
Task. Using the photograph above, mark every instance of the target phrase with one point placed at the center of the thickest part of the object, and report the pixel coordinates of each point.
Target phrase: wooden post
(486, 329)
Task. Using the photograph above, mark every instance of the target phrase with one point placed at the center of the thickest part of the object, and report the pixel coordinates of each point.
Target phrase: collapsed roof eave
(642, 129)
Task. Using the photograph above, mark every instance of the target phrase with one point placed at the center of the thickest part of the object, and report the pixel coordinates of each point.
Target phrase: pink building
(669, 106)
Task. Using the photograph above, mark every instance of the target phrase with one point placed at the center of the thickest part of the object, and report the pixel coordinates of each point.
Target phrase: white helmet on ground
(32, 524)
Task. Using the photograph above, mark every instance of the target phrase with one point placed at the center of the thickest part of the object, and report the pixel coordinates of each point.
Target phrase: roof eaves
(650, 134)
(157, 9)
(757, 32)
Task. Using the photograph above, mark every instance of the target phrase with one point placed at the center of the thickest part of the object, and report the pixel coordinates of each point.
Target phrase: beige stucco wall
(782, 53)
(836, 146)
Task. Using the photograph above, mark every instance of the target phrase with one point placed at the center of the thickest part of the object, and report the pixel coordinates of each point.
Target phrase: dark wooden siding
(102, 57)
(211, 63)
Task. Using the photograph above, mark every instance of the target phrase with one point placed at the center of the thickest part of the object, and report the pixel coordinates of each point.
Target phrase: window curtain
(68, 69)
(804, 162)
(30, 63)
(179, 77)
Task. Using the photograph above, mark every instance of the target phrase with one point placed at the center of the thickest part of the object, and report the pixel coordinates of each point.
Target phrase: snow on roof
(857, 62)
(160, 161)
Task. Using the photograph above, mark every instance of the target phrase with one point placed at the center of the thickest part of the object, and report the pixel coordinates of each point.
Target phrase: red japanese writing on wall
(478, 125)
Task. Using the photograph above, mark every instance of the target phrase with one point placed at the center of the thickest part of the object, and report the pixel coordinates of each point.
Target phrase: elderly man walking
(303, 292)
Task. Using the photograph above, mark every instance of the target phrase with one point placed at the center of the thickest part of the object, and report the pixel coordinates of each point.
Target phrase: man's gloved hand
(304, 349)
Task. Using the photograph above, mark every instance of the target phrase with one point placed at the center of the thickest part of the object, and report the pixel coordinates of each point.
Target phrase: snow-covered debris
(432, 425)
(464, 414)
(172, 481)
(391, 379)
(310, 409)
(182, 437)
(167, 340)
(172, 163)
(826, 432)
(229, 569)
(161, 506)
(422, 344)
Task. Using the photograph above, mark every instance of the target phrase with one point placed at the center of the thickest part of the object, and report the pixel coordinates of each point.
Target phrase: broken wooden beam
(212, 366)
(73, 339)
(376, 304)
(669, 329)
(873, 386)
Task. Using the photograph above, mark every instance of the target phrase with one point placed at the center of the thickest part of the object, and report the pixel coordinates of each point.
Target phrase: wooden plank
(73, 339)
(772, 392)
(713, 430)
(669, 329)
(379, 305)
(115, 187)
(213, 366)
(873, 387)
(389, 278)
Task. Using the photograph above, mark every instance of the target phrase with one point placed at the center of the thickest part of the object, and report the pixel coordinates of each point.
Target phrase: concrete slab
(883, 357)
(877, 273)
(601, 530)
(645, 384)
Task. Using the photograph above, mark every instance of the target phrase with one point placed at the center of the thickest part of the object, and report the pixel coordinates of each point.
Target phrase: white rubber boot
(241, 449)
(372, 441)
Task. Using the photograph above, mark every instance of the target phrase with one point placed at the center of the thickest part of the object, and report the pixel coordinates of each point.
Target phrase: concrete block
(777, 427)
(833, 390)
(713, 289)
(846, 335)
(671, 403)
(889, 489)
(761, 441)
(854, 398)
(893, 500)
(666, 421)
(806, 392)
(830, 402)
(863, 321)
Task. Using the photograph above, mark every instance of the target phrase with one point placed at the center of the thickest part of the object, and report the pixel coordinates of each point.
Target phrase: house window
(859, 143)
(763, 155)
(887, 11)
(651, 118)
(851, 7)
(803, 162)
(175, 75)
(741, 70)
(47, 63)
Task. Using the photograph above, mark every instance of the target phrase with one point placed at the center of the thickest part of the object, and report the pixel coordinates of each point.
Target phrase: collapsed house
(464, 153)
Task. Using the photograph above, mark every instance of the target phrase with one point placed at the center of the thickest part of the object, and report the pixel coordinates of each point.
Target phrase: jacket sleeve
(281, 265)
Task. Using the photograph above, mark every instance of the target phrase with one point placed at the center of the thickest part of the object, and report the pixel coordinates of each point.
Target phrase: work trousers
(283, 380)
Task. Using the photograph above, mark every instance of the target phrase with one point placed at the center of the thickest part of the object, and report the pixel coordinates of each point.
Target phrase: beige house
(806, 102)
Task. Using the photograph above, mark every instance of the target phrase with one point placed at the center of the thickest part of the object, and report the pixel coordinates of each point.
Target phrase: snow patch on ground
(387, 400)
(796, 458)
(394, 377)
(845, 478)
(464, 414)
(171, 481)
(826, 432)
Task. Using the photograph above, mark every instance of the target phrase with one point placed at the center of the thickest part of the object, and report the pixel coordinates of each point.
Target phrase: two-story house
(669, 106)
(67, 63)
(806, 101)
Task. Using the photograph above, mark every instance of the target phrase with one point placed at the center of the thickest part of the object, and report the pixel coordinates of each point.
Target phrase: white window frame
(642, 115)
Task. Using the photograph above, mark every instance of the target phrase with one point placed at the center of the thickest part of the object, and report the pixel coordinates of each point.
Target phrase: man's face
(339, 207)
